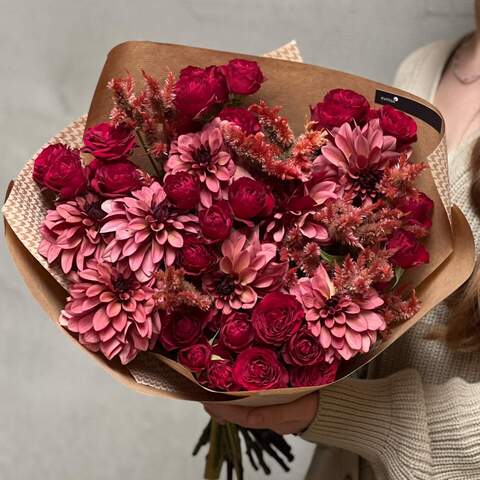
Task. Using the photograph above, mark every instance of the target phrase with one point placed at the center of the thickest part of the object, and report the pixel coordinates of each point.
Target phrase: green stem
(214, 461)
(145, 148)
(236, 449)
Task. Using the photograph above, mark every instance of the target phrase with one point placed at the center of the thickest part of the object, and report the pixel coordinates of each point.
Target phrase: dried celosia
(172, 291)
(356, 276)
(397, 180)
(275, 126)
(397, 308)
(365, 225)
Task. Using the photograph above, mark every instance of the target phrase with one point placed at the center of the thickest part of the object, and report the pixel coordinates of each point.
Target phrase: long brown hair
(463, 329)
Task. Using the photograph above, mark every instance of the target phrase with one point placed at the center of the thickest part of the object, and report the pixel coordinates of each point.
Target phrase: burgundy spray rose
(196, 357)
(313, 375)
(276, 317)
(250, 198)
(198, 89)
(237, 332)
(242, 117)
(196, 257)
(181, 329)
(303, 348)
(182, 189)
(398, 124)
(340, 106)
(244, 77)
(115, 179)
(216, 221)
(59, 169)
(219, 375)
(259, 369)
(418, 207)
(107, 142)
(409, 252)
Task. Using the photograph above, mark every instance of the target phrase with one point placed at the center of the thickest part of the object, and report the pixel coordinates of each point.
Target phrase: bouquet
(197, 229)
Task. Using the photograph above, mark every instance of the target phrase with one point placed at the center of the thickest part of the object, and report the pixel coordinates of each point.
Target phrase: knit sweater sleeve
(405, 429)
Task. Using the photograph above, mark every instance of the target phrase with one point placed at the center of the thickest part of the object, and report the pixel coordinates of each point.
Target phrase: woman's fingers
(288, 418)
(233, 413)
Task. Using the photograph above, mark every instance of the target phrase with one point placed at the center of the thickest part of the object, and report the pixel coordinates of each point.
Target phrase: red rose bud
(357, 103)
(330, 115)
(219, 375)
(216, 221)
(242, 117)
(259, 369)
(183, 190)
(107, 142)
(59, 169)
(303, 348)
(181, 329)
(250, 198)
(313, 375)
(407, 250)
(237, 332)
(196, 357)
(116, 179)
(419, 208)
(196, 257)
(244, 77)
(398, 124)
(44, 159)
(198, 89)
(276, 317)
(340, 106)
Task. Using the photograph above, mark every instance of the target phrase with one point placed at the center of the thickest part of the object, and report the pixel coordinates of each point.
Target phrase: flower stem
(214, 462)
(158, 170)
(236, 449)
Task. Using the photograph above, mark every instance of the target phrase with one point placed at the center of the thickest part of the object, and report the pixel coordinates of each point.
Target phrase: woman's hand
(292, 417)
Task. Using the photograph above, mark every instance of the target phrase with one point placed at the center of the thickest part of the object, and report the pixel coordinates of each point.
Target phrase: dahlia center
(331, 306)
(225, 286)
(123, 285)
(162, 212)
(94, 211)
(367, 181)
(202, 155)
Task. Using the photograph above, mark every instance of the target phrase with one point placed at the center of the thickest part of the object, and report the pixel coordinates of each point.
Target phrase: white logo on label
(389, 99)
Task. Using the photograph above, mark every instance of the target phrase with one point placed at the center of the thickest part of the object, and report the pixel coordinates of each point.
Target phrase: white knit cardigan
(417, 416)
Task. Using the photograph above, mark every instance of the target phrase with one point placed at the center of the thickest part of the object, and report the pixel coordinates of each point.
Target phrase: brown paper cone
(295, 86)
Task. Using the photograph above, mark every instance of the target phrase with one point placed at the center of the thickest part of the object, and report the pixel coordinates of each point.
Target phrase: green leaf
(399, 271)
(329, 258)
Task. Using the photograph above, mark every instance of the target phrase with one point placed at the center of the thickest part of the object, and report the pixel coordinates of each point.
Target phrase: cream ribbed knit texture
(417, 416)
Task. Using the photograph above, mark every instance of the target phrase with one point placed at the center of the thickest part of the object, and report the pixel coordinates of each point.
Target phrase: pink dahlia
(205, 156)
(345, 326)
(297, 211)
(246, 271)
(148, 230)
(360, 155)
(111, 311)
(71, 232)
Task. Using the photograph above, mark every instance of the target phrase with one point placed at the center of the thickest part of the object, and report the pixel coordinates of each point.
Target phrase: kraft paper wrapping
(295, 86)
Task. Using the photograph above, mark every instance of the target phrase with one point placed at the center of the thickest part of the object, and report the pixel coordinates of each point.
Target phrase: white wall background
(61, 417)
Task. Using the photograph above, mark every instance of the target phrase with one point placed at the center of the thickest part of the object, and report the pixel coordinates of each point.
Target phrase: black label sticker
(412, 107)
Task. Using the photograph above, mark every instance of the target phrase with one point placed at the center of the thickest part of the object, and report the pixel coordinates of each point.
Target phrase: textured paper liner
(295, 86)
